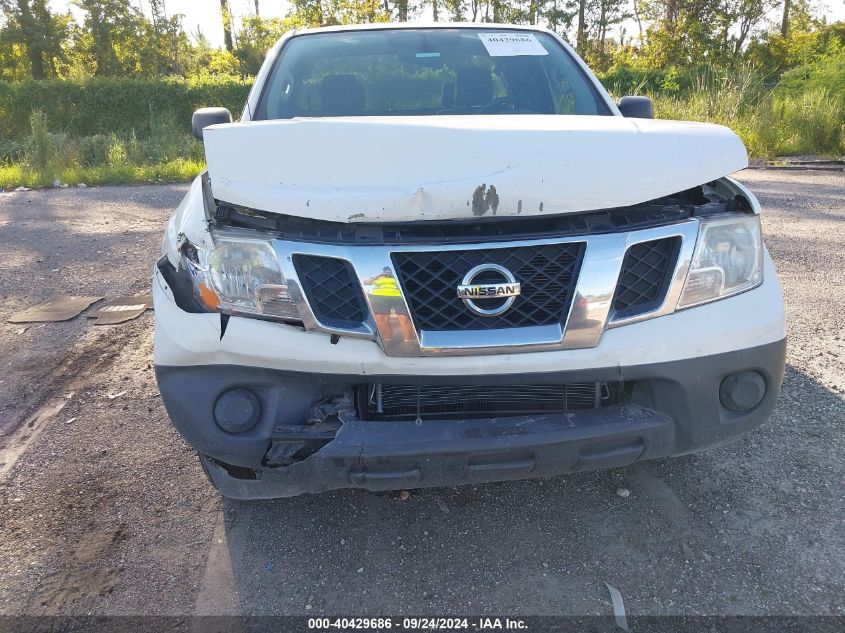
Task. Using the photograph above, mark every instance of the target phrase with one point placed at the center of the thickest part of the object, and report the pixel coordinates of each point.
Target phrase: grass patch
(165, 154)
(782, 121)
(176, 170)
(775, 124)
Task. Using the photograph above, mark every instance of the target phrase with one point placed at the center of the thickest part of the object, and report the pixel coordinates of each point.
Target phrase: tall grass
(164, 154)
(42, 147)
(177, 170)
(808, 123)
(772, 122)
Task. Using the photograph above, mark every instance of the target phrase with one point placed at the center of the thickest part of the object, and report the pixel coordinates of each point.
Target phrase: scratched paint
(435, 168)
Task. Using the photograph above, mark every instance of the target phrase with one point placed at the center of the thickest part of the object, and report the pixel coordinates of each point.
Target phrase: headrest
(342, 95)
(473, 86)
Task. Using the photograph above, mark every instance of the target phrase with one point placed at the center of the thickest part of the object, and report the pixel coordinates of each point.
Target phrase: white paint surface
(364, 169)
(746, 320)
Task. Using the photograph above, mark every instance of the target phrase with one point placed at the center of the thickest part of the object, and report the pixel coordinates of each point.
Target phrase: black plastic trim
(660, 212)
(629, 277)
(180, 285)
(674, 409)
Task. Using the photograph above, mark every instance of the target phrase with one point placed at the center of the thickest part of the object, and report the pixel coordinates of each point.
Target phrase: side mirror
(204, 117)
(636, 107)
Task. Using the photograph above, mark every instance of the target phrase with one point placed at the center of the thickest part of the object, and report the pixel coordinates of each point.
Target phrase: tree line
(140, 38)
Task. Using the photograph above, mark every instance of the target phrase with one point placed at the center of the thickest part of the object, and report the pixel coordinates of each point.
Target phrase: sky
(205, 14)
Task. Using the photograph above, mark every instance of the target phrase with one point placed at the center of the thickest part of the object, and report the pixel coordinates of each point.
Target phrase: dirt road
(105, 510)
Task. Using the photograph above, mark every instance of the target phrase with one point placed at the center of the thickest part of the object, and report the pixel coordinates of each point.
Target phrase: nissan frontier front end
(437, 255)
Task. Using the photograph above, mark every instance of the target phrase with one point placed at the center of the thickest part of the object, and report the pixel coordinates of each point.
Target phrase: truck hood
(377, 169)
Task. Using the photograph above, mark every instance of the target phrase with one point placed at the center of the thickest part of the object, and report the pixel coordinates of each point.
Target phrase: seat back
(342, 95)
(473, 87)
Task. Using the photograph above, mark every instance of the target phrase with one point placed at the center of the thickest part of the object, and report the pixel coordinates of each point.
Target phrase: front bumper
(674, 409)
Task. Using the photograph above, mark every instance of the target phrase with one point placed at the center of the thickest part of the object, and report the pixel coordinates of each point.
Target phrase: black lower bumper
(674, 408)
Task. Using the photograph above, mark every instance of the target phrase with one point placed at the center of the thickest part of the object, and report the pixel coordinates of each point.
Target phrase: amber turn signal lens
(208, 297)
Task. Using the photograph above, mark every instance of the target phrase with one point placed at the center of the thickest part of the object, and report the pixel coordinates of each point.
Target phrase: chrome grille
(547, 274)
(589, 269)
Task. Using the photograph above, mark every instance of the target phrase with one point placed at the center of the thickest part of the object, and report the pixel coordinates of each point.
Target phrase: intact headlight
(241, 276)
(728, 259)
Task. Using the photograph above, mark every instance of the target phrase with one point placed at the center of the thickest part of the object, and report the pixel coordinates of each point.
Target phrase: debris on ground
(618, 607)
(623, 492)
(113, 396)
(122, 309)
(404, 495)
(59, 308)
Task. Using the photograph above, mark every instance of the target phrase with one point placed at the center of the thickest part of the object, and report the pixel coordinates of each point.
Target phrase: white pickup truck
(437, 255)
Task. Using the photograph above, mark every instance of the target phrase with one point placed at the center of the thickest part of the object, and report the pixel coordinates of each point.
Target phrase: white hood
(373, 169)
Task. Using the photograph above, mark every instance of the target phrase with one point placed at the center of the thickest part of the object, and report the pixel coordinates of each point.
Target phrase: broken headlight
(728, 259)
(240, 276)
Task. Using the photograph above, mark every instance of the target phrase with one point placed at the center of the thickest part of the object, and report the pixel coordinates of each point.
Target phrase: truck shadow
(709, 533)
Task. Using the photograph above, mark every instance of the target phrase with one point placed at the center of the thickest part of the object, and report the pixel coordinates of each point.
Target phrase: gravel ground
(106, 510)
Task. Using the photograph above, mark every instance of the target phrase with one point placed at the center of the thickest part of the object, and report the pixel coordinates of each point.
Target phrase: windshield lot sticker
(511, 44)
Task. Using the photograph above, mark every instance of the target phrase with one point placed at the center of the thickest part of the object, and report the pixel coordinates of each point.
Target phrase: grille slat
(409, 401)
(332, 290)
(547, 274)
(645, 276)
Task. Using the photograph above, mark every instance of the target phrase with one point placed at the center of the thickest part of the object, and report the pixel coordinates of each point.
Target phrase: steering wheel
(499, 105)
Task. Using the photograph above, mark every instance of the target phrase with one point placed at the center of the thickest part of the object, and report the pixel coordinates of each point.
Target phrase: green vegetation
(108, 98)
(165, 153)
(772, 122)
(102, 131)
(88, 107)
(177, 170)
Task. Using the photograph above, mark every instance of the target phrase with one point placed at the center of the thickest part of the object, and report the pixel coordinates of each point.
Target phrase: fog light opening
(237, 410)
(742, 391)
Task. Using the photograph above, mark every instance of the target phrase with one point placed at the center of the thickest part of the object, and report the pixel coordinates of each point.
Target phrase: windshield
(426, 72)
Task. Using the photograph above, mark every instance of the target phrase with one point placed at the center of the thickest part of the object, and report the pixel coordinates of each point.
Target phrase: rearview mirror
(204, 117)
(636, 107)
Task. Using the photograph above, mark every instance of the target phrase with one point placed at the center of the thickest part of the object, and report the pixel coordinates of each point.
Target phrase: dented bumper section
(671, 408)
(396, 455)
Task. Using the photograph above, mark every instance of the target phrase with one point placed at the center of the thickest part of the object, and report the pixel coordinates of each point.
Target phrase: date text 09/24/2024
(417, 624)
